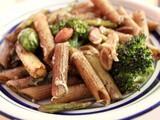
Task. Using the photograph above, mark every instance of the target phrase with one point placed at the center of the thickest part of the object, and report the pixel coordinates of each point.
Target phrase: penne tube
(13, 36)
(88, 49)
(31, 63)
(121, 11)
(72, 80)
(60, 70)
(125, 29)
(89, 76)
(108, 10)
(140, 18)
(36, 93)
(6, 50)
(45, 36)
(18, 84)
(105, 77)
(128, 21)
(152, 25)
(14, 73)
(77, 92)
(122, 36)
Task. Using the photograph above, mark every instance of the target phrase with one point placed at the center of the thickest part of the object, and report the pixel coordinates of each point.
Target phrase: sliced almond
(64, 35)
(95, 36)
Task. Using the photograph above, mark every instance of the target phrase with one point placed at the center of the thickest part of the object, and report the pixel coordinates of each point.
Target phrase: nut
(95, 36)
(63, 35)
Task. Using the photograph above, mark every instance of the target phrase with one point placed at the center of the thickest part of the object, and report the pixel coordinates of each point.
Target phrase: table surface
(7, 5)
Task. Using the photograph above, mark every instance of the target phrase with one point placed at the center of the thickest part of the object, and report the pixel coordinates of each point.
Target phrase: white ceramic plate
(135, 104)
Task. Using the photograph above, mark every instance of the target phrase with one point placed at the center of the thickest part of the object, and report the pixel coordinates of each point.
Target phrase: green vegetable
(57, 107)
(29, 39)
(135, 64)
(81, 30)
(101, 22)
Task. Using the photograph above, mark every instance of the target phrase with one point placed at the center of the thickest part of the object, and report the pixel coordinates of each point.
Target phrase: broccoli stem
(101, 22)
(57, 107)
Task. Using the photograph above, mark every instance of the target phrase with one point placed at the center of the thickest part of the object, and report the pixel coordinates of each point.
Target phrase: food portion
(79, 55)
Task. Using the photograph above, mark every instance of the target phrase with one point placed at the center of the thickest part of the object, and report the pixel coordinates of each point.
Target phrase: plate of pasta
(80, 59)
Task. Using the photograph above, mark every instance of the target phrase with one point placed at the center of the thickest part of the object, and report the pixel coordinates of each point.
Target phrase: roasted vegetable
(53, 108)
(135, 59)
(29, 39)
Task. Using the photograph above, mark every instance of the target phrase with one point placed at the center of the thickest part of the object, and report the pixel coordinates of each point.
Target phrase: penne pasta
(89, 76)
(105, 77)
(36, 93)
(106, 8)
(125, 29)
(152, 25)
(140, 18)
(122, 36)
(60, 70)
(45, 36)
(31, 63)
(14, 73)
(83, 10)
(82, 5)
(128, 21)
(77, 92)
(18, 84)
(6, 50)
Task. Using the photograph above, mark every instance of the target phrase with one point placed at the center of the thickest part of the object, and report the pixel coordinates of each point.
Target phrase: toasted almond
(63, 35)
(95, 36)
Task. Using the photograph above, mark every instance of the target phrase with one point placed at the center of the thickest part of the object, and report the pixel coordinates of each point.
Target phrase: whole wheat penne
(36, 93)
(108, 10)
(128, 21)
(152, 25)
(105, 77)
(89, 76)
(21, 83)
(23, 25)
(121, 11)
(14, 73)
(77, 92)
(122, 36)
(125, 29)
(45, 36)
(6, 50)
(31, 63)
(60, 70)
(88, 49)
(72, 80)
(140, 18)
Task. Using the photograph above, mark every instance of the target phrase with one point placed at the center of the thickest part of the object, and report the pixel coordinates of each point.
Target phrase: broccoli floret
(135, 62)
(81, 30)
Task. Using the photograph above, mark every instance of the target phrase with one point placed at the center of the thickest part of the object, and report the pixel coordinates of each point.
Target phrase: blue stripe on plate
(141, 112)
(8, 116)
